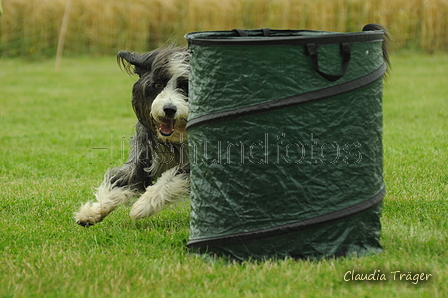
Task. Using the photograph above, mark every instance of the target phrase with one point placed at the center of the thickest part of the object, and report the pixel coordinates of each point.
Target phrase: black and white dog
(157, 170)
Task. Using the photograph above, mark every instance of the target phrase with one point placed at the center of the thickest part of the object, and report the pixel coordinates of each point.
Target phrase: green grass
(50, 122)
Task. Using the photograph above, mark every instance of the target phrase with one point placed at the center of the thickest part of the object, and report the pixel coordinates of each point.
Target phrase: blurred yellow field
(97, 26)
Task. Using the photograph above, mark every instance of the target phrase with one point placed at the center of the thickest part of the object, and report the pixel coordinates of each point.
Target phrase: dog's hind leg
(172, 186)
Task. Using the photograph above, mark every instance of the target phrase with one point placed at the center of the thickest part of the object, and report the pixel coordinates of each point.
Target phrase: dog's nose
(169, 110)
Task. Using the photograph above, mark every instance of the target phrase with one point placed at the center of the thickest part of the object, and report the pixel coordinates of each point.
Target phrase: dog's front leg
(172, 186)
(108, 196)
(119, 184)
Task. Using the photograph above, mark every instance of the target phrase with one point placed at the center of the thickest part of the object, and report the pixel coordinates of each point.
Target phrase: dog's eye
(183, 84)
(158, 85)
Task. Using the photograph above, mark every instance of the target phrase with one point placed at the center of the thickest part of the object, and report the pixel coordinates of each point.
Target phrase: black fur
(386, 41)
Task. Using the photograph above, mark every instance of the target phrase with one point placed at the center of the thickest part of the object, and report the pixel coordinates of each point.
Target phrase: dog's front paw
(88, 215)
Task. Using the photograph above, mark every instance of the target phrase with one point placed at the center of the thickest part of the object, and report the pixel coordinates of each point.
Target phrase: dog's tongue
(167, 128)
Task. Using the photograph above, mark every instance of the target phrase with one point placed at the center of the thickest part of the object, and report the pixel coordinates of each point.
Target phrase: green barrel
(285, 140)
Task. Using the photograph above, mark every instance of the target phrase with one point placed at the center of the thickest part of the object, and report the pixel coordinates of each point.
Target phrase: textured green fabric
(278, 167)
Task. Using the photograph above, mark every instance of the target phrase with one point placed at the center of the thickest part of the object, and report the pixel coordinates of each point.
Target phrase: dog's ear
(134, 63)
(386, 40)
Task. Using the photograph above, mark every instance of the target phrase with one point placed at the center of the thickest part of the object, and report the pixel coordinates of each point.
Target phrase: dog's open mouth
(166, 128)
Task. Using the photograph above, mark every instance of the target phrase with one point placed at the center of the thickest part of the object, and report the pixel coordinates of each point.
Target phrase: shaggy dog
(157, 170)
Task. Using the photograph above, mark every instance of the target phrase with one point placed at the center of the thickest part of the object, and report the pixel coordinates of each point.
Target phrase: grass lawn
(51, 121)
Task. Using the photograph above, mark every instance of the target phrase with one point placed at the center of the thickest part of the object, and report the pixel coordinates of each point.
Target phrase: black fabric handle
(240, 32)
(266, 31)
(286, 102)
(345, 51)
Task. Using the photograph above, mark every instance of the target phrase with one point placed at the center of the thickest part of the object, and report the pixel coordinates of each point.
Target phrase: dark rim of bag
(279, 37)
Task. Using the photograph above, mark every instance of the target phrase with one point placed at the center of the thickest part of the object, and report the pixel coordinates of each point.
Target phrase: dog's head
(160, 96)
